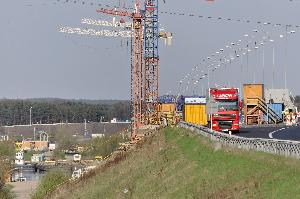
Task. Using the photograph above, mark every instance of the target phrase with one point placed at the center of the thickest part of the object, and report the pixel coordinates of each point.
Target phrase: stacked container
(253, 91)
(167, 103)
(170, 107)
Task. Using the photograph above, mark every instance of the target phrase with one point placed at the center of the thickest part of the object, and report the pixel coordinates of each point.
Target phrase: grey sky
(38, 61)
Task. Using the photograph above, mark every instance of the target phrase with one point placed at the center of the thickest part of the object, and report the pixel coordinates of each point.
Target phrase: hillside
(175, 163)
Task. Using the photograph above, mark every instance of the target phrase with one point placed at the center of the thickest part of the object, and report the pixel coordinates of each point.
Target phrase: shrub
(49, 183)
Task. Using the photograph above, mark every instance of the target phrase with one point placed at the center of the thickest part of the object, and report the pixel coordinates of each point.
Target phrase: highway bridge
(279, 140)
(281, 132)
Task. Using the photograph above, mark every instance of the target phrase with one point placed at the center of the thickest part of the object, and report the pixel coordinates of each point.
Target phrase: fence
(280, 147)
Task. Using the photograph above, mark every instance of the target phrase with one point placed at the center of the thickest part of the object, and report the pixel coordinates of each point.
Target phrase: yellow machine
(18, 146)
(98, 157)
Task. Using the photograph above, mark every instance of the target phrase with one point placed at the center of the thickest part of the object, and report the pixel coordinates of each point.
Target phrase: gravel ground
(24, 189)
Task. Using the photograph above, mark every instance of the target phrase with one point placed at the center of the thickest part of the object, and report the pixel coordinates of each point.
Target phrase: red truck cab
(226, 119)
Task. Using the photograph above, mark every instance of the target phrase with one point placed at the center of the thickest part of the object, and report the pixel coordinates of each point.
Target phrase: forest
(48, 111)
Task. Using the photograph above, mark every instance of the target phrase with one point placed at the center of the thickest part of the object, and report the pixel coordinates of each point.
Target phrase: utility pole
(30, 112)
(263, 72)
(33, 133)
(208, 77)
(85, 130)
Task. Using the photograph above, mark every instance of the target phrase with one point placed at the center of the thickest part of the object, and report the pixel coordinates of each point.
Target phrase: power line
(228, 19)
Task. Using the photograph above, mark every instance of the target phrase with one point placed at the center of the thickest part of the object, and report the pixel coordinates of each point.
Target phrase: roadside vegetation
(28, 154)
(176, 163)
(103, 146)
(49, 183)
(7, 152)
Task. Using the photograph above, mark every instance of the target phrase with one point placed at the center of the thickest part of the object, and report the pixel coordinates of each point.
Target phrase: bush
(59, 154)
(103, 146)
(49, 183)
(4, 172)
(7, 150)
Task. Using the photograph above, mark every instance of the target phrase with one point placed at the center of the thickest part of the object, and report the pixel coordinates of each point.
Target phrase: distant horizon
(59, 98)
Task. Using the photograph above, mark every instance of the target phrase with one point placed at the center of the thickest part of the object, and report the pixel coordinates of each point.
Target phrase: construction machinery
(144, 32)
(145, 59)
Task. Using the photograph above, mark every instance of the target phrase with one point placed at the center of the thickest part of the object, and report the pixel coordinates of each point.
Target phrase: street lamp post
(208, 80)
(285, 54)
(273, 61)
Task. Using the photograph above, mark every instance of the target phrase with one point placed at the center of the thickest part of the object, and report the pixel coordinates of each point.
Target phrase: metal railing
(285, 148)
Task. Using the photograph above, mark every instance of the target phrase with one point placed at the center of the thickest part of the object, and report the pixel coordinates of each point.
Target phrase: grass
(28, 155)
(176, 163)
(49, 183)
(7, 149)
(102, 146)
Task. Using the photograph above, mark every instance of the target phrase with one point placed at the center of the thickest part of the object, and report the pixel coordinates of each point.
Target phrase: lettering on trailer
(229, 94)
(224, 96)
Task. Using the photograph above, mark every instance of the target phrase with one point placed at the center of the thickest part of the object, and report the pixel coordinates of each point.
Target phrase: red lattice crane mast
(137, 64)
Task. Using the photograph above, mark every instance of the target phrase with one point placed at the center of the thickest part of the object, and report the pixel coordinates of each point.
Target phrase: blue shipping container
(167, 99)
(277, 108)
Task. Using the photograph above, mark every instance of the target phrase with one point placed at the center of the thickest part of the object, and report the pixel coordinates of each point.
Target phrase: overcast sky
(38, 61)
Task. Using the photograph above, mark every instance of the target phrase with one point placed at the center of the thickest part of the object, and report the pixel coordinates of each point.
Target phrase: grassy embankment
(95, 147)
(102, 146)
(175, 163)
(49, 182)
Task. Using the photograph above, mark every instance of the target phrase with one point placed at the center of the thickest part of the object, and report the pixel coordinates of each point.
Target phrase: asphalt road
(280, 132)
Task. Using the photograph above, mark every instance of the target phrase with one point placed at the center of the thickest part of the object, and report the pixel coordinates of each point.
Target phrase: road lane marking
(271, 134)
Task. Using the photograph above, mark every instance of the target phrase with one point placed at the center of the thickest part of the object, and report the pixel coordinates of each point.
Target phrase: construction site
(203, 112)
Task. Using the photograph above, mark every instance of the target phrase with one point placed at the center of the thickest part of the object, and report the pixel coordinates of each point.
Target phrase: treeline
(17, 112)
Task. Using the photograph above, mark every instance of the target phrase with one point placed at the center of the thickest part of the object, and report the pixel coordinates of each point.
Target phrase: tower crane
(137, 63)
(144, 31)
(145, 59)
(151, 61)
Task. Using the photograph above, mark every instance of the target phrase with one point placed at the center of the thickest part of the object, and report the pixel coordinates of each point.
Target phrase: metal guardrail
(285, 148)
